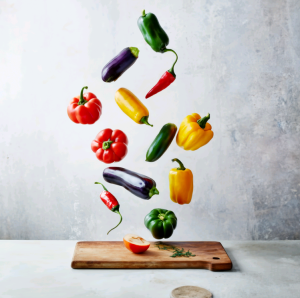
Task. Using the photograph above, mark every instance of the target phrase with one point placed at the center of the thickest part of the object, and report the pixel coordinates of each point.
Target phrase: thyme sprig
(177, 252)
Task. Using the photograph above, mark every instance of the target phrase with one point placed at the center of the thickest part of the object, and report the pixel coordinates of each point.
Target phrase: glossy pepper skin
(194, 132)
(85, 109)
(162, 142)
(158, 40)
(119, 64)
(165, 81)
(138, 184)
(111, 202)
(132, 106)
(161, 223)
(110, 145)
(181, 184)
(153, 33)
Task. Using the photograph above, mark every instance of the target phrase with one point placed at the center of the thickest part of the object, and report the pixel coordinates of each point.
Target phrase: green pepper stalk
(171, 70)
(82, 101)
(181, 166)
(202, 121)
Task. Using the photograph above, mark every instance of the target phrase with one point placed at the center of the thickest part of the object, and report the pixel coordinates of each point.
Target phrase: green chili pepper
(162, 142)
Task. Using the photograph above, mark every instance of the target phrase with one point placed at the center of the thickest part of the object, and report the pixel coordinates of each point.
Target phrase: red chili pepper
(166, 80)
(111, 202)
(85, 109)
(110, 146)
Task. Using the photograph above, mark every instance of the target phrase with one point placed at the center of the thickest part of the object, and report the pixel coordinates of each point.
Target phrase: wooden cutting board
(113, 254)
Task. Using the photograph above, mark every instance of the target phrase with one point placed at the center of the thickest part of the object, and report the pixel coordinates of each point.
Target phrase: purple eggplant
(119, 64)
(138, 184)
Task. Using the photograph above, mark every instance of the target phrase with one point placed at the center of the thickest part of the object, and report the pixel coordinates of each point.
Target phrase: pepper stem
(102, 185)
(162, 216)
(181, 166)
(144, 120)
(153, 191)
(106, 145)
(143, 13)
(202, 121)
(116, 211)
(82, 101)
(171, 70)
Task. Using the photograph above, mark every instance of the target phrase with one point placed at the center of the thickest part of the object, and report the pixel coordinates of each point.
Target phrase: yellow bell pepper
(194, 132)
(132, 106)
(181, 184)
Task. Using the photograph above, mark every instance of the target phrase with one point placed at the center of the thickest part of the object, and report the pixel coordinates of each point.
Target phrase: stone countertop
(42, 269)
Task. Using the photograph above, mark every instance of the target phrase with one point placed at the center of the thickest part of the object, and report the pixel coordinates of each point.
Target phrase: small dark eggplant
(138, 184)
(119, 64)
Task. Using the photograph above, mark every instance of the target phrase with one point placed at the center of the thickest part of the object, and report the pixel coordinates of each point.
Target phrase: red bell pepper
(85, 109)
(166, 80)
(110, 146)
(111, 202)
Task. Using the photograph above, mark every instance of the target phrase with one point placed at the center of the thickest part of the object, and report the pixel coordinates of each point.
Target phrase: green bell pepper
(162, 142)
(161, 223)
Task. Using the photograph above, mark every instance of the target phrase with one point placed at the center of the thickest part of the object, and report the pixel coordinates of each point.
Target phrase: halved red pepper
(166, 80)
(110, 146)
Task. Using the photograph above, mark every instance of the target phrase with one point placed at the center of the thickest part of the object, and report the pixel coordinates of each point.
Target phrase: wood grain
(113, 254)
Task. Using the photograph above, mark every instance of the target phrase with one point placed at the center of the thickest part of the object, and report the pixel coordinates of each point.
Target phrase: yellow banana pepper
(194, 132)
(132, 106)
(181, 184)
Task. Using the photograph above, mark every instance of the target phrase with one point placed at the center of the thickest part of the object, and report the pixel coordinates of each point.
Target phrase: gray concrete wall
(238, 60)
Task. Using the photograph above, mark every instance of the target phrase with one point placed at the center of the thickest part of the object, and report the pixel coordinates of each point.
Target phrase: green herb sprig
(177, 252)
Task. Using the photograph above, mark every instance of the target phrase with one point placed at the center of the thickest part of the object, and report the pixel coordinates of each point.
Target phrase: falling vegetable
(161, 223)
(194, 132)
(158, 40)
(119, 64)
(152, 32)
(138, 184)
(132, 106)
(85, 109)
(181, 184)
(162, 142)
(111, 202)
(110, 145)
(165, 81)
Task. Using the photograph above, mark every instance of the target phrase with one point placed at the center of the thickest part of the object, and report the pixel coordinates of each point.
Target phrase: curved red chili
(111, 202)
(166, 80)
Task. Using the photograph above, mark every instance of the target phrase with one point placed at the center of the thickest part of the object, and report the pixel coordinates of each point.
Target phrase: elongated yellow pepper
(132, 106)
(194, 132)
(181, 184)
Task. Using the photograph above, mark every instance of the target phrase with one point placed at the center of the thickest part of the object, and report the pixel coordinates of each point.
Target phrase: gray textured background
(238, 60)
